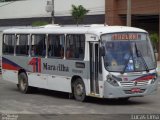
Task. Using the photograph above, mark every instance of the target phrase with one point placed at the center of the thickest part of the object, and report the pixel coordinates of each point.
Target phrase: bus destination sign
(127, 36)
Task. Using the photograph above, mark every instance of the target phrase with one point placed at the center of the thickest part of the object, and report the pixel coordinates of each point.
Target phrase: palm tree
(155, 43)
(78, 13)
(154, 39)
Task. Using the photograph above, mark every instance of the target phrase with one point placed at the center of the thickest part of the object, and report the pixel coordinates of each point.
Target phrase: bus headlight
(112, 81)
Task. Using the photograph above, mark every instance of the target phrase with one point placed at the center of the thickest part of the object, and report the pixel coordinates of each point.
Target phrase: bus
(114, 62)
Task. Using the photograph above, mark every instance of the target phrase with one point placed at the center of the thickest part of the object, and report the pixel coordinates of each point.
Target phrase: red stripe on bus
(145, 78)
(9, 67)
(39, 64)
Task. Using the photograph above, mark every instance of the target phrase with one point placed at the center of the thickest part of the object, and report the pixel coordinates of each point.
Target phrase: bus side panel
(61, 72)
(37, 80)
(10, 67)
(59, 83)
(10, 75)
(35, 77)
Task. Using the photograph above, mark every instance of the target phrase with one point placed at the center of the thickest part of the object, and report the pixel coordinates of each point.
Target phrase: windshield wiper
(138, 52)
(127, 61)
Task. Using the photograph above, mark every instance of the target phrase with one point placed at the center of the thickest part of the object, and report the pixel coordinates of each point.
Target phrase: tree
(154, 39)
(78, 13)
(39, 23)
(155, 42)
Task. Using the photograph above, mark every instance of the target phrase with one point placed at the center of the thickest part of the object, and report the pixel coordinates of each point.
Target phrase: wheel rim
(79, 90)
(23, 84)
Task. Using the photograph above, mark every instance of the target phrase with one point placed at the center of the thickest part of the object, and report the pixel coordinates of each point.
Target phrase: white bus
(98, 61)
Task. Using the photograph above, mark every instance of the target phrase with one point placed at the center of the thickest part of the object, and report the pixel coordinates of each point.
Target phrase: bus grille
(134, 83)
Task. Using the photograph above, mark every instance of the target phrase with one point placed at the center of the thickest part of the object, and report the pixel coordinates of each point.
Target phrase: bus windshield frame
(128, 52)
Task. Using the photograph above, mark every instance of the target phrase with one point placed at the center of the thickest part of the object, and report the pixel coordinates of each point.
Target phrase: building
(25, 12)
(145, 13)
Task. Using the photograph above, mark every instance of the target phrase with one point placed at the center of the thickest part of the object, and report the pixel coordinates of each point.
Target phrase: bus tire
(23, 83)
(79, 90)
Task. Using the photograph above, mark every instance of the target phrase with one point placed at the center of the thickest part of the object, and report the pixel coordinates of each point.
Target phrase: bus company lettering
(36, 64)
(59, 67)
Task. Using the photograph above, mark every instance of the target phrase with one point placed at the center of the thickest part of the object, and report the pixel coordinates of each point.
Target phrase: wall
(116, 10)
(36, 8)
(146, 7)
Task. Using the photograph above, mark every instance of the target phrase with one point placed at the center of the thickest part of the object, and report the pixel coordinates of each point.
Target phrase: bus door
(94, 70)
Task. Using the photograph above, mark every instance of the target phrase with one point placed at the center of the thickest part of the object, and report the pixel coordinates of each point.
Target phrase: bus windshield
(128, 52)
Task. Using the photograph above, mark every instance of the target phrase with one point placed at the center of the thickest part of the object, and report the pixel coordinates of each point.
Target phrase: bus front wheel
(79, 90)
(23, 83)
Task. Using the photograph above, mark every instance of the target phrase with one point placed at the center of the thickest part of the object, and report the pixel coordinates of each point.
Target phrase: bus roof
(93, 29)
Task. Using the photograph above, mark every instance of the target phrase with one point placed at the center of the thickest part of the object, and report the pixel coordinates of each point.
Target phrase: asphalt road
(46, 104)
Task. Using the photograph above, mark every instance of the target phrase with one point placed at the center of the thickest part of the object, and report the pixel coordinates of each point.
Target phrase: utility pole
(128, 12)
(52, 13)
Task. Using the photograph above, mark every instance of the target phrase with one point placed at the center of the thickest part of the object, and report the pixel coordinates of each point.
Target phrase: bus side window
(75, 46)
(56, 45)
(69, 52)
(22, 45)
(9, 43)
(38, 47)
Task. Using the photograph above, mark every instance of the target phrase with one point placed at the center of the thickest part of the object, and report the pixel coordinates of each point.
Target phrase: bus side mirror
(102, 51)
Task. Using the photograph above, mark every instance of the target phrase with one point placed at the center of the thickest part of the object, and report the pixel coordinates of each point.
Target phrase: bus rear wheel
(79, 90)
(23, 83)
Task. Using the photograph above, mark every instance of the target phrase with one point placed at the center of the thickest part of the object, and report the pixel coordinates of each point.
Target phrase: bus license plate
(135, 90)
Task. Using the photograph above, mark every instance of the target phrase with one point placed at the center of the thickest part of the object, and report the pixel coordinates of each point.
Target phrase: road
(48, 102)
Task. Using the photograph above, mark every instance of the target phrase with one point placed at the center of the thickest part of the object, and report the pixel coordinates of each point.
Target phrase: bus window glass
(128, 52)
(56, 45)
(75, 46)
(22, 45)
(38, 47)
(8, 44)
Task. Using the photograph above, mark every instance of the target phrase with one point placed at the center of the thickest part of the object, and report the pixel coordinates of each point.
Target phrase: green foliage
(78, 13)
(39, 23)
(154, 39)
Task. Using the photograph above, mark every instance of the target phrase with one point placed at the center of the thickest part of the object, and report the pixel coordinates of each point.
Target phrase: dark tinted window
(22, 46)
(38, 47)
(75, 46)
(56, 45)
(8, 44)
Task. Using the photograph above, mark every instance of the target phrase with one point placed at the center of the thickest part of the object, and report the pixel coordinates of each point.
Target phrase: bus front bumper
(121, 92)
